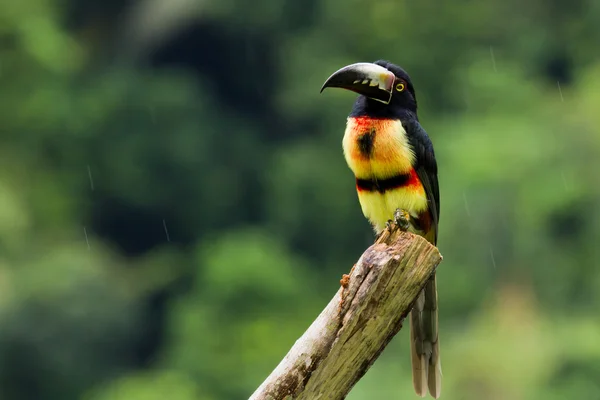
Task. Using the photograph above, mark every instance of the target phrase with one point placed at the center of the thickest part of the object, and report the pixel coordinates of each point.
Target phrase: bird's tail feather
(424, 343)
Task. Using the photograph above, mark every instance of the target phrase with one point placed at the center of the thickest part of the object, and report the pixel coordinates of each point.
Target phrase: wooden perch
(361, 319)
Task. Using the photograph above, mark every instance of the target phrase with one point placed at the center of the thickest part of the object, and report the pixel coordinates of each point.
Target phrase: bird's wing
(427, 171)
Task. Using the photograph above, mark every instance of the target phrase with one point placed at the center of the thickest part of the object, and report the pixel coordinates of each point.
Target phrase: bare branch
(361, 319)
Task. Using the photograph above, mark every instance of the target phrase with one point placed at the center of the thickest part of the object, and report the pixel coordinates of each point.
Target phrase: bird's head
(385, 89)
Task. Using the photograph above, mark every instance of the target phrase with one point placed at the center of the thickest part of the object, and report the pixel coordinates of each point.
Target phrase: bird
(396, 172)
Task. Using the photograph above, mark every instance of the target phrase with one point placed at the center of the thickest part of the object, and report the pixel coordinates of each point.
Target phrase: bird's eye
(400, 87)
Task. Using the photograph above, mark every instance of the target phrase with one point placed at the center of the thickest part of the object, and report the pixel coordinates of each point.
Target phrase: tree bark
(361, 319)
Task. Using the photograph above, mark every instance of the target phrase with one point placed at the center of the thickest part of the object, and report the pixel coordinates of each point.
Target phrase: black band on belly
(381, 185)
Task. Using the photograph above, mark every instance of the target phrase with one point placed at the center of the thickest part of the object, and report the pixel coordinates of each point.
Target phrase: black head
(385, 89)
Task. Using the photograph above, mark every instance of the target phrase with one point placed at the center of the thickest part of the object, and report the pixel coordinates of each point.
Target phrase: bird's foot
(388, 224)
(402, 219)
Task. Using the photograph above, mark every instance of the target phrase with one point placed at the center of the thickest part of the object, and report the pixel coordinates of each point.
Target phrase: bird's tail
(424, 344)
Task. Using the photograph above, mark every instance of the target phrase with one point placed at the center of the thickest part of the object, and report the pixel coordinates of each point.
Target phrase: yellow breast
(389, 153)
(376, 149)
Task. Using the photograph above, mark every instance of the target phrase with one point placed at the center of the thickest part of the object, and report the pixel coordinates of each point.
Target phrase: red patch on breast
(414, 181)
(363, 122)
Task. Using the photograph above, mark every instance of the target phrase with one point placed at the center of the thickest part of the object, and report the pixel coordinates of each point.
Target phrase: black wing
(426, 168)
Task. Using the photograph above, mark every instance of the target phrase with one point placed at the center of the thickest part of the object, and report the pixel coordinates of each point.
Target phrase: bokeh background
(175, 208)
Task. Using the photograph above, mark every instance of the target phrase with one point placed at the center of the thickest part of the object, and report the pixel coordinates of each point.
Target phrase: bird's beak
(370, 80)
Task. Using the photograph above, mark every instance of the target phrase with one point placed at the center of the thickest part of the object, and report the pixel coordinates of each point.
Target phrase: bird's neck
(365, 107)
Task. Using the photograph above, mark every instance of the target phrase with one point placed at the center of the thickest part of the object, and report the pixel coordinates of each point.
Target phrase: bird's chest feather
(379, 153)
(377, 148)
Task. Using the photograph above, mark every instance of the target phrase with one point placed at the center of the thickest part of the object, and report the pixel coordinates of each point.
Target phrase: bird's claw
(402, 219)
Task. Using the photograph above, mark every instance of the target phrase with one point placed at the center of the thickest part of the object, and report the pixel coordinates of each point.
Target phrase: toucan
(394, 164)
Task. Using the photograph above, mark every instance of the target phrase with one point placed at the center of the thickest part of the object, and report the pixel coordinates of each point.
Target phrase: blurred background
(175, 209)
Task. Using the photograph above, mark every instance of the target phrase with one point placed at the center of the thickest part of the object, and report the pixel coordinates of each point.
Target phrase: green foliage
(230, 320)
(168, 230)
(151, 386)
